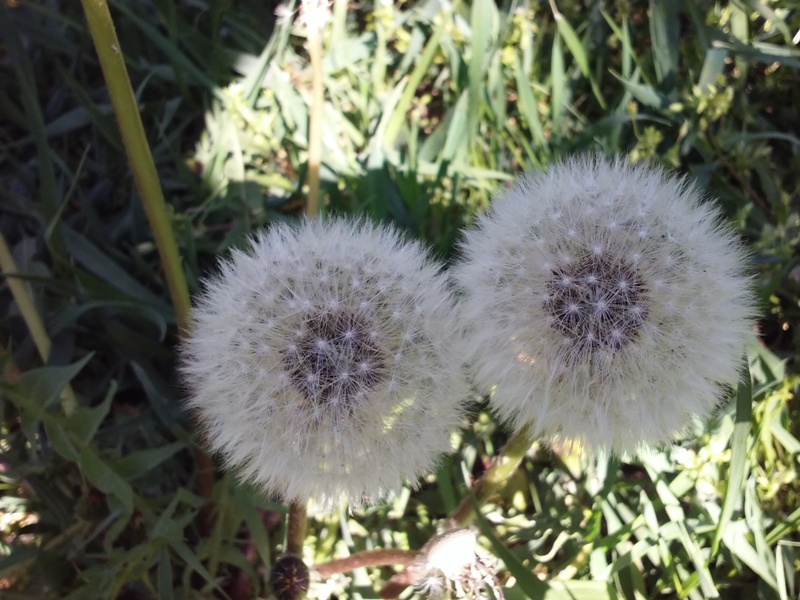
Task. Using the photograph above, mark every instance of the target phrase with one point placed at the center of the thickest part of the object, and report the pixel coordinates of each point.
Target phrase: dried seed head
(289, 578)
(605, 303)
(321, 362)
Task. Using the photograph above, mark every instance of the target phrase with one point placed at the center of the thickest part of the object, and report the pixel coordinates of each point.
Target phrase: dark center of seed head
(597, 301)
(335, 358)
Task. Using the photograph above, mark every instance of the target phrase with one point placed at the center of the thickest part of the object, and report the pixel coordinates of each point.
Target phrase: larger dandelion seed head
(320, 362)
(605, 303)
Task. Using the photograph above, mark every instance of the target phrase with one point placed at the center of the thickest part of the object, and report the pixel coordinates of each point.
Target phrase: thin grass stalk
(24, 301)
(314, 47)
(140, 158)
(112, 63)
(31, 317)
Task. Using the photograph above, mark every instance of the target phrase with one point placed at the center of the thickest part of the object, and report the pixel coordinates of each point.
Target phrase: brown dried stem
(368, 558)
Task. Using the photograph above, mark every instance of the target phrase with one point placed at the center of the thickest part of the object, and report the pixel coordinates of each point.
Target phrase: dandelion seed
(326, 375)
(644, 325)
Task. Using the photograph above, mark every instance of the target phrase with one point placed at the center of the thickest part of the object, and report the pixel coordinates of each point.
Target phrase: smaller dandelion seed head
(451, 552)
(290, 578)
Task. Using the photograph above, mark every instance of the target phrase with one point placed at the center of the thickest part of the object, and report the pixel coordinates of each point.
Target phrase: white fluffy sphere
(320, 362)
(605, 303)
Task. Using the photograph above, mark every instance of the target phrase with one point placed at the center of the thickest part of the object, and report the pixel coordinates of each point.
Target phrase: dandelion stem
(492, 479)
(368, 558)
(296, 529)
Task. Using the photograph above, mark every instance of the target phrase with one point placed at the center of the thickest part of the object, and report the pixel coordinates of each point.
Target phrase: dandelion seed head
(298, 378)
(591, 302)
(637, 321)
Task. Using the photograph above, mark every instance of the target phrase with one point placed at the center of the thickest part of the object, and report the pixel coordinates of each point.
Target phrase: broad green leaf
(785, 560)
(20, 61)
(83, 422)
(580, 590)
(736, 540)
(458, 132)
(167, 46)
(104, 478)
(576, 48)
(772, 18)
(713, 66)
(91, 258)
(254, 524)
(60, 438)
(645, 94)
(678, 519)
(185, 552)
(138, 463)
(164, 574)
(39, 389)
(482, 16)
(399, 115)
(558, 82)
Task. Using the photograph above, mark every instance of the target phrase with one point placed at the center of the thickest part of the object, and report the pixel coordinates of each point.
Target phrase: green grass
(430, 109)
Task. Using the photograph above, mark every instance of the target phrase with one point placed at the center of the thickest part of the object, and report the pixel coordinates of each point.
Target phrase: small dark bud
(289, 578)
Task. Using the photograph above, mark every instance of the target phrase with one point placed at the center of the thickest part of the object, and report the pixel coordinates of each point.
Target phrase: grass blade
(665, 34)
(736, 477)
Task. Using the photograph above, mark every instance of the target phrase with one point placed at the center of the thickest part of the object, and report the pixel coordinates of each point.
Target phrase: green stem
(31, 317)
(314, 46)
(140, 158)
(145, 175)
(492, 479)
(24, 301)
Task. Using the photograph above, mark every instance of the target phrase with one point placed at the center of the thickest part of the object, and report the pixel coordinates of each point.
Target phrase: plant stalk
(502, 467)
(296, 529)
(31, 317)
(368, 558)
(140, 158)
(112, 63)
(314, 47)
